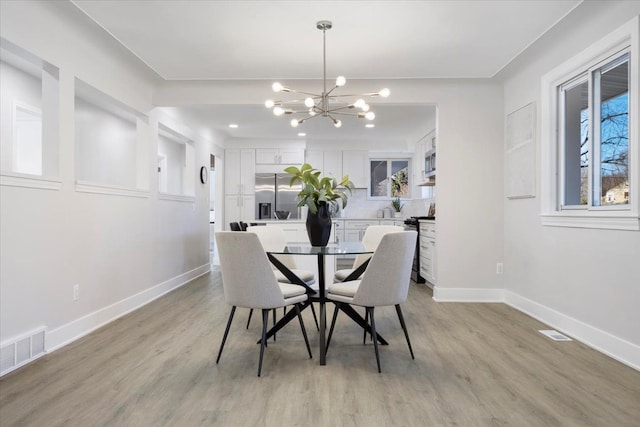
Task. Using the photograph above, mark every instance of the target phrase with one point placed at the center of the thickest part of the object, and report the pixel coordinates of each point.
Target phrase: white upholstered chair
(272, 238)
(385, 282)
(371, 239)
(252, 284)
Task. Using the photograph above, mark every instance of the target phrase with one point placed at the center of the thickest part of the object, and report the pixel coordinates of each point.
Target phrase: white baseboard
(467, 295)
(78, 328)
(604, 342)
(614, 347)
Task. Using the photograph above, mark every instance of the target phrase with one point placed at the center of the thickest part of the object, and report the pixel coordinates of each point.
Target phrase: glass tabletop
(344, 248)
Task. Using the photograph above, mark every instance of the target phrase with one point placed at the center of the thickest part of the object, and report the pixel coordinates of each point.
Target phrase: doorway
(213, 253)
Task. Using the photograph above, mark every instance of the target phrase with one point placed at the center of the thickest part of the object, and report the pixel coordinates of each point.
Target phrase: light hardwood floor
(476, 365)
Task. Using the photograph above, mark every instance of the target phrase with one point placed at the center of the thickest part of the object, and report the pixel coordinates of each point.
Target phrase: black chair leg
(274, 320)
(249, 319)
(366, 320)
(304, 331)
(374, 336)
(333, 323)
(263, 341)
(226, 332)
(315, 318)
(274, 323)
(404, 328)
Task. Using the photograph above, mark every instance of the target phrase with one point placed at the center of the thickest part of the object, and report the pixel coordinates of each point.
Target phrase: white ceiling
(271, 40)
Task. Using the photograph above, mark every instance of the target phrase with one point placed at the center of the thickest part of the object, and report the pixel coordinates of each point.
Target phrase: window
(389, 178)
(590, 126)
(594, 136)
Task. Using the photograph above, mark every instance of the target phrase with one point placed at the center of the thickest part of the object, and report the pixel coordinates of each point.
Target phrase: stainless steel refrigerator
(274, 198)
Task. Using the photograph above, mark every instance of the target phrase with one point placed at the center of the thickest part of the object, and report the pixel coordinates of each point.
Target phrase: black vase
(319, 226)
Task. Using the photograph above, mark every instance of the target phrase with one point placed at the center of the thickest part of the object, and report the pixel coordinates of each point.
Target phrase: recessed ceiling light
(302, 134)
(233, 126)
(370, 125)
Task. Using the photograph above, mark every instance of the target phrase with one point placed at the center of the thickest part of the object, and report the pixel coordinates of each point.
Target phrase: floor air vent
(555, 335)
(22, 350)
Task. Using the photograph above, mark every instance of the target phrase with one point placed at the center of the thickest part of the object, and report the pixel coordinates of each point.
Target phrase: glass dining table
(320, 296)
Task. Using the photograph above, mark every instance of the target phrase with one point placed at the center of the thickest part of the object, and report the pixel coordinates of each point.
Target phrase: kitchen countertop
(297, 221)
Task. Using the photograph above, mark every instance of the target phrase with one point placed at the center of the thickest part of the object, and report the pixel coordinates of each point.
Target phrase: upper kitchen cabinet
(239, 171)
(354, 164)
(279, 156)
(315, 159)
(328, 162)
(333, 164)
(337, 163)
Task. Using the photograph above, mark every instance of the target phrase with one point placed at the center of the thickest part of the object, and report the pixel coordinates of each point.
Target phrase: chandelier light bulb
(312, 111)
(269, 103)
(309, 102)
(277, 87)
(365, 107)
(278, 111)
(294, 123)
(370, 115)
(384, 92)
(341, 81)
(359, 103)
(337, 123)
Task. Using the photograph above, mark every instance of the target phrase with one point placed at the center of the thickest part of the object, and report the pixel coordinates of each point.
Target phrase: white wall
(585, 282)
(123, 250)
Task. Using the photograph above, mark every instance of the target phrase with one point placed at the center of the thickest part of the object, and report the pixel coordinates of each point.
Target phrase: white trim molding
(583, 221)
(78, 328)
(176, 197)
(114, 190)
(29, 181)
(614, 347)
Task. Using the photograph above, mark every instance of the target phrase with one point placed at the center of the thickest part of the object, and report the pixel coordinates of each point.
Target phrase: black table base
(320, 298)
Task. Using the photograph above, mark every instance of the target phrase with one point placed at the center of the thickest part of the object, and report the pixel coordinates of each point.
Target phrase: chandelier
(317, 105)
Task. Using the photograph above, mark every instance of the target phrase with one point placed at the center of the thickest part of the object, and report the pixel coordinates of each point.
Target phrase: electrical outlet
(499, 268)
(76, 292)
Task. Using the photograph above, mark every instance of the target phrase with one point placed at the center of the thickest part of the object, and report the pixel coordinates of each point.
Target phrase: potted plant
(319, 194)
(397, 206)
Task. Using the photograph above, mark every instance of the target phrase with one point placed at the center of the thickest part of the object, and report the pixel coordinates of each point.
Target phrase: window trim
(389, 158)
(623, 217)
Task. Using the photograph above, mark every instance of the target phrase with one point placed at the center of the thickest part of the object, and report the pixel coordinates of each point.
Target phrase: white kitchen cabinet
(418, 162)
(239, 207)
(315, 158)
(279, 156)
(354, 164)
(239, 185)
(333, 164)
(337, 163)
(353, 232)
(338, 230)
(428, 251)
(239, 171)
